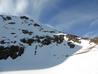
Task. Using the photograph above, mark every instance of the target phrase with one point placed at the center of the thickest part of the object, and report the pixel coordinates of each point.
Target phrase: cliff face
(25, 43)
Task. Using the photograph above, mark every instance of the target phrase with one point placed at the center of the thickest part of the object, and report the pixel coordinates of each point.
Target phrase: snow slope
(78, 64)
(26, 45)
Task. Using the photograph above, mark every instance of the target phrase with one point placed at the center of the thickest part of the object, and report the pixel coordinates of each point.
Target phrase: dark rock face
(11, 51)
(73, 38)
(71, 45)
(11, 23)
(14, 51)
(6, 18)
(36, 24)
(44, 40)
(27, 32)
(24, 17)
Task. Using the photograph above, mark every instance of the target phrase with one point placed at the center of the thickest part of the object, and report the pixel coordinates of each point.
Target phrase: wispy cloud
(93, 29)
(6, 6)
(21, 6)
(32, 8)
(37, 6)
(83, 15)
(67, 19)
(13, 7)
(94, 22)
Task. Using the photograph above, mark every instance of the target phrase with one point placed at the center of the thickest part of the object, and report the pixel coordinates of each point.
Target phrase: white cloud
(32, 8)
(11, 7)
(21, 6)
(6, 6)
(37, 6)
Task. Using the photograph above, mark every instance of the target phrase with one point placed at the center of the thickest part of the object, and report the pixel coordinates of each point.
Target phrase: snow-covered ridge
(25, 43)
(17, 32)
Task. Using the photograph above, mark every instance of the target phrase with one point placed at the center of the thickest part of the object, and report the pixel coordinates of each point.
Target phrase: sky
(77, 17)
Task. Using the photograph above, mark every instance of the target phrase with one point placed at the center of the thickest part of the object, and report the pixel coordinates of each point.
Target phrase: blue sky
(78, 17)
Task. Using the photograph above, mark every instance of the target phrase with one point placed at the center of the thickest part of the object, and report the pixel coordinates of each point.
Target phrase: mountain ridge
(23, 40)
